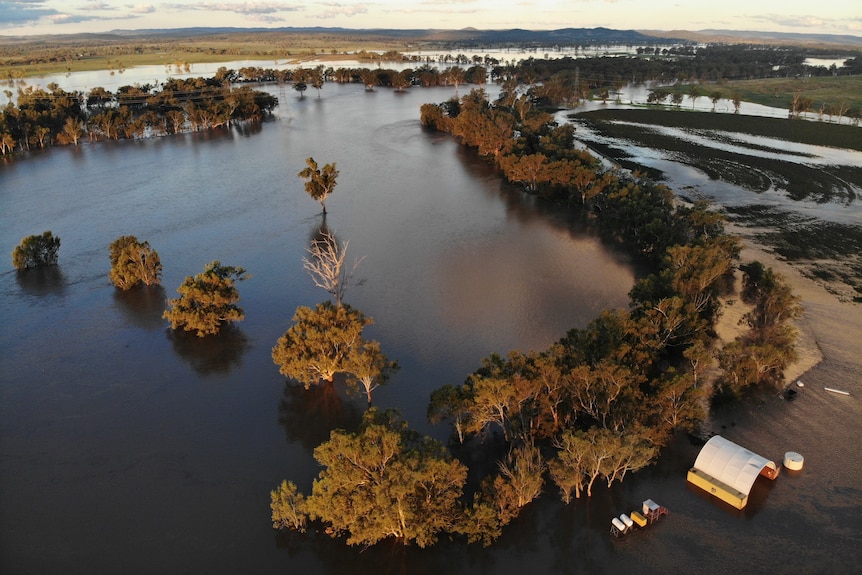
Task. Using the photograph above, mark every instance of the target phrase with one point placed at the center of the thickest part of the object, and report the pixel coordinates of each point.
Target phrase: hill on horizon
(468, 36)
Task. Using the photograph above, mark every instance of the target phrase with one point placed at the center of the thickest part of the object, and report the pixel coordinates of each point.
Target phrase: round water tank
(793, 460)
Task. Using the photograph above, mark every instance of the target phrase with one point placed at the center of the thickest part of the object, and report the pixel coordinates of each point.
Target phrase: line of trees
(45, 117)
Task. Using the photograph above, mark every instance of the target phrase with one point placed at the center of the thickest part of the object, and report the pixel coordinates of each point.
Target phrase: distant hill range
(743, 36)
(473, 37)
(567, 36)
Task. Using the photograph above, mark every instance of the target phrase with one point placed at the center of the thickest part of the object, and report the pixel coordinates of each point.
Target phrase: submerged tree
(133, 262)
(288, 507)
(36, 251)
(319, 343)
(366, 366)
(520, 480)
(207, 300)
(326, 266)
(383, 482)
(319, 182)
(584, 457)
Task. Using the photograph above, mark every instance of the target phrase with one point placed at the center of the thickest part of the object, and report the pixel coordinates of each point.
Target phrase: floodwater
(125, 448)
(679, 175)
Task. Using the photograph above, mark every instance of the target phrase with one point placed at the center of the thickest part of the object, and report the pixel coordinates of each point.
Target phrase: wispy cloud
(334, 10)
(143, 9)
(244, 8)
(62, 18)
(92, 6)
(806, 23)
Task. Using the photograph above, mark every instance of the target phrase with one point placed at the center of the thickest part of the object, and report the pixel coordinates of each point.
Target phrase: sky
(28, 17)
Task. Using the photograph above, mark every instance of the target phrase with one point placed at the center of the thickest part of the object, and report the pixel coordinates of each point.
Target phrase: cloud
(808, 22)
(254, 9)
(21, 11)
(97, 6)
(333, 10)
(143, 9)
(446, 2)
(61, 18)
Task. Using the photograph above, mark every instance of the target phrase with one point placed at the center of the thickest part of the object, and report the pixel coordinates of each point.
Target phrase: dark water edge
(124, 448)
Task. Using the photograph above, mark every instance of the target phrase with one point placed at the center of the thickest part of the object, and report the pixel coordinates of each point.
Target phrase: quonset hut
(728, 470)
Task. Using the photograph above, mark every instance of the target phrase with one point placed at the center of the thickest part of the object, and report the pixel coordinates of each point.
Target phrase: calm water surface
(127, 449)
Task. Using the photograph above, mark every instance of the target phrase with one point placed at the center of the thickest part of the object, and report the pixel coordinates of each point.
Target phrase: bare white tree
(326, 266)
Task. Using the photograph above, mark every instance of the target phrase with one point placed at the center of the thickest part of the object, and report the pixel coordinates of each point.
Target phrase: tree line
(40, 118)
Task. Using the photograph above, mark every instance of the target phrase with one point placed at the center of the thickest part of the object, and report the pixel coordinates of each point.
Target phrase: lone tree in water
(319, 182)
(326, 266)
(36, 251)
(207, 300)
(319, 343)
(133, 262)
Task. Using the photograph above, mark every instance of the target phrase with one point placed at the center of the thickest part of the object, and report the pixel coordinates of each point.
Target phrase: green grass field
(778, 92)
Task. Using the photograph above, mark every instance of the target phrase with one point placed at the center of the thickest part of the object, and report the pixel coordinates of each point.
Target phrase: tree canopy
(36, 251)
(133, 263)
(207, 300)
(382, 482)
(319, 182)
(320, 342)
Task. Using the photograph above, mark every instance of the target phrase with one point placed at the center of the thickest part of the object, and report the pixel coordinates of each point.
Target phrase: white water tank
(618, 524)
(627, 520)
(793, 460)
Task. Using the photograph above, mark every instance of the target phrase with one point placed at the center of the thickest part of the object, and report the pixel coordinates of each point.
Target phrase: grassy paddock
(778, 92)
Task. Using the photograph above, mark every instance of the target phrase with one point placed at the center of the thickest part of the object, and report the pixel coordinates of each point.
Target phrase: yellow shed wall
(717, 488)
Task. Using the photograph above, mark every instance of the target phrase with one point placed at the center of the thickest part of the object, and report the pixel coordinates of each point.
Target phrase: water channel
(127, 449)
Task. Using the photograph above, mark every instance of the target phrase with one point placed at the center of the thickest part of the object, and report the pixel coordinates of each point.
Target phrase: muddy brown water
(124, 448)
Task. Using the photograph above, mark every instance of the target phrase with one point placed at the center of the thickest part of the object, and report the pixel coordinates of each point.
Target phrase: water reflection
(247, 129)
(42, 281)
(213, 354)
(142, 306)
(308, 415)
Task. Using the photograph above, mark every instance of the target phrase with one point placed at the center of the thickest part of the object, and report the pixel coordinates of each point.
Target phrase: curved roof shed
(728, 470)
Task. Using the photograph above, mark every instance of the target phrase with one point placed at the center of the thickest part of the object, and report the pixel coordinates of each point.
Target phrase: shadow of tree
(213, 354)
(309, 415)
(142, 305)
(42, 281)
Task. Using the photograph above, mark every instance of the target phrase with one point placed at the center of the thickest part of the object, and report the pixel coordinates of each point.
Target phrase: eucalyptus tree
(133, 263)
(693, 94)
(319, 182)
(520, 480)
(586, 456)
(207, 300)
(383, 482)
(320, 342)
(36, 251)
(367, 367)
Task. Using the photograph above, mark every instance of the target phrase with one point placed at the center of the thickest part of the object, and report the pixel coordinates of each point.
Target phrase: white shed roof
(731, 463)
